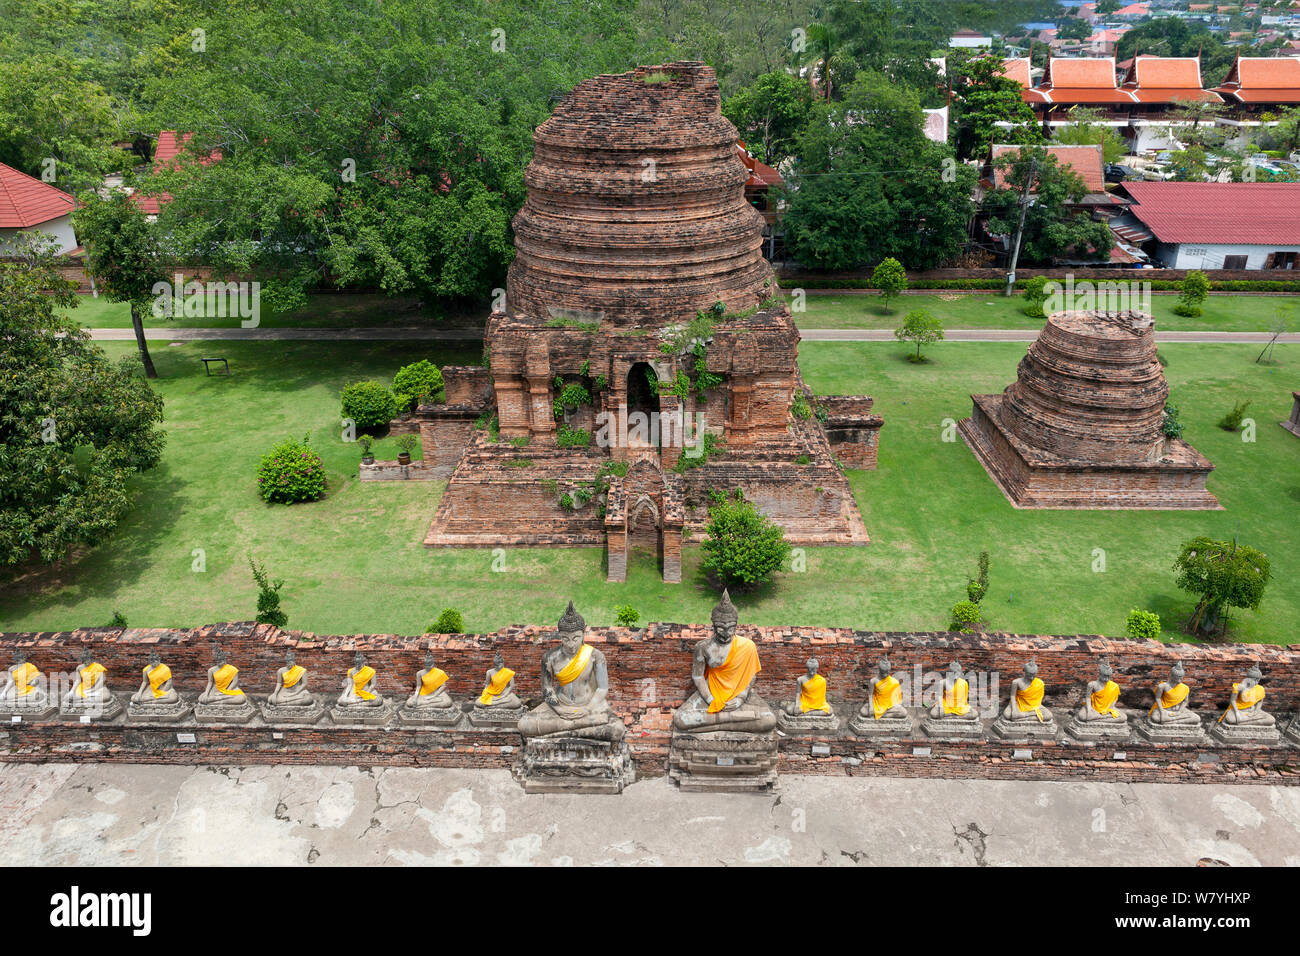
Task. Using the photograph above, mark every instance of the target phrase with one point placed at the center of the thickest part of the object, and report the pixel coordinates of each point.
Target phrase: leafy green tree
(1073, 28)
(1287, 132)
(983, 98)
(421, 378)
(1222, 575)
(770, 114)
(1055, 225)
(268, 596)
(1142, 625)
(625, 615)
(921, 327)
(1192, 292)
(124, 255)
(1088, 130)
(1107, 6)
(74, 427)
(890, 278)
(741, 546)
(1035, 294)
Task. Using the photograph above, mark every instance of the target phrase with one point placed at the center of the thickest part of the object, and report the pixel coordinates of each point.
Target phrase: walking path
(416, 333)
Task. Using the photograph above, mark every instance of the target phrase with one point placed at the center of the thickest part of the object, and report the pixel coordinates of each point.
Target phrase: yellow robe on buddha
(1103, 701)
(360, 679)
(25, 678)
(812, 696)
(157, 677)
(1031, 698)
(734, 675)
(1245, 700)
(88, 675)
(223, 678)
(887, 695)
(497, 686)
(292, 675)
(573, 670)
(954, 700)
(1171, 698)
(431, 681)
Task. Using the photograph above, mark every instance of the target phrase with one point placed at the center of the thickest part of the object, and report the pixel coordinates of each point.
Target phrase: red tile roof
(1018, 70)
(1238, 213)
(1087, 79)
(761, 175)
(26, 201)
(169, 146)
(1263, 79)
(1168, 79)
(1085, 161)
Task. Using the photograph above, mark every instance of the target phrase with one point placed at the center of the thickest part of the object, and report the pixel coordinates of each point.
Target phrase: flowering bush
(291, 472)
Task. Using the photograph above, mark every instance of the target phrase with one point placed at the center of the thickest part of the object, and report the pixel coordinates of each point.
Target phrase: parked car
(1117, 173)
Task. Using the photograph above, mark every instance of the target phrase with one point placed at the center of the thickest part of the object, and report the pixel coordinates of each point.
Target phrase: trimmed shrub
(625, 615)
(291, 472)
(1232, 421)
(1142, 624)
(1035, 295)
(450, 621)
(414, 380)
(965, 617)
(743, 547)
(369, 404)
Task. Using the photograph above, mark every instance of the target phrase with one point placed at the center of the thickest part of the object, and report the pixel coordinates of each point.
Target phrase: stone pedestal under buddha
(1245, 721)
(23, 692)
(883, 715)
(811, 710)
(1097, 718)
(157, 700)
(952, 717)
(1025, 717)
(430, 703)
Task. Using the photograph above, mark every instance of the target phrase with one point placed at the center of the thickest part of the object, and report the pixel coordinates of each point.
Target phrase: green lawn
(991, 310)
(354, 562)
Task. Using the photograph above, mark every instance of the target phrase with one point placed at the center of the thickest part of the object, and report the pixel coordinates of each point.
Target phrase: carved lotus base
(574, 764)
(237, 713)
(869, 726)
(951, 727)
(293, 713)
(372, 715)
(723, 761)
(45, 710)
(430, 716)
(1245, 734)
(1186, 732)
(1107, 728)
(98, 710)
(1027, 729)
(157, 712)
(807, 723)
(496, 718)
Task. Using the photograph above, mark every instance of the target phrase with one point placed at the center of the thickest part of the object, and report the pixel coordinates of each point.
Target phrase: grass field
(328, 311)
(354, 562)
(990, 310)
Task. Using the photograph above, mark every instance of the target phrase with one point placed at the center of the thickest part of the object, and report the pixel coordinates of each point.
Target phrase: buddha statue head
(20, 658)
(498, 661)
(813, 666)
(154, 659)
(1104, 670)
(1254, 675)
(359, 661)
(572, 630)
(1176, 673)
(954, 672)
(1031, 669)
(86, 657)
(289, 660)
(218, 655)
(725, 618)
(884, 668)
(428, 660)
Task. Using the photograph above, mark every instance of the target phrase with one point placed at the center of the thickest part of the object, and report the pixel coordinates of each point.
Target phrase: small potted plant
(367, 458)
(405, 444)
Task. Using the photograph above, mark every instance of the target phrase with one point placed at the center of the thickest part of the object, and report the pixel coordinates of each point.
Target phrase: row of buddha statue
(575, 691)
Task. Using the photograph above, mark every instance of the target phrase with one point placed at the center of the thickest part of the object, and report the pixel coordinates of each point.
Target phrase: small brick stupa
(1081, 427)
(641, 326)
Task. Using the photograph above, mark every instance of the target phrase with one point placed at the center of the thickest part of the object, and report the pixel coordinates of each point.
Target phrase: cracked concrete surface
(113, 814)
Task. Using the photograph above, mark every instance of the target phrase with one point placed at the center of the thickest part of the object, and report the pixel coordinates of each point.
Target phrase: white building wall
(58, 229)
(1188, 256)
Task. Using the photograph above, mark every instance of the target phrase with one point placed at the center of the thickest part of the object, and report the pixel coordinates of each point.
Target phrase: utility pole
(1025, 203)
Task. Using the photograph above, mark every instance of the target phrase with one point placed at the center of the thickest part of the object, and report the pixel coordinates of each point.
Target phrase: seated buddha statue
(22, 689)
(359, 686)
(1027, 692)
(954, 697)
(811, 698)
(886, 701)
(1171, 695)
(155, 684)
(723, 672)
(223, 683)
(291, 685)
(499, 687)
(1245, 707)
(430, 688)
(1099, 702)
(90, 696)
(575, 688)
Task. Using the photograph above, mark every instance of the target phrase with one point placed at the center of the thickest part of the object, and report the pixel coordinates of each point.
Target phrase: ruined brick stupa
(1081, 427)
(638, 307)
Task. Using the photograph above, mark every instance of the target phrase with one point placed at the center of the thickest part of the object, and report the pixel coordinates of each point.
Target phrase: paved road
(462, 335)
(100, 814)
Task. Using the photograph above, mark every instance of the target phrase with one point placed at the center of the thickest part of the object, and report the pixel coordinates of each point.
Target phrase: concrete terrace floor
(112, 814)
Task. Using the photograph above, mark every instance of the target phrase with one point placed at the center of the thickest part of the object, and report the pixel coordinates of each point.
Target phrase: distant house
(970, 40)
(1261, 82)
(165, 156)
(1215, 225)
(29, 205)
(1084, 161)
(762, 178)
(1018, 69)
(1162, 86)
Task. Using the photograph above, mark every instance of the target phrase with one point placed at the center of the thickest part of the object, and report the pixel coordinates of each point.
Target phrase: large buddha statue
(810, 710)
(157, 698)
(360, 701)
(1025, 715)
(723, 672)
(90, 696)
(575, 688)
(497, 705)
(430, 702)
(223, 700)
(291, 701)
(883, 714)
(1245, 720)
(1098, 716)
(952, 714)
(1169, 716)
(23, 693)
